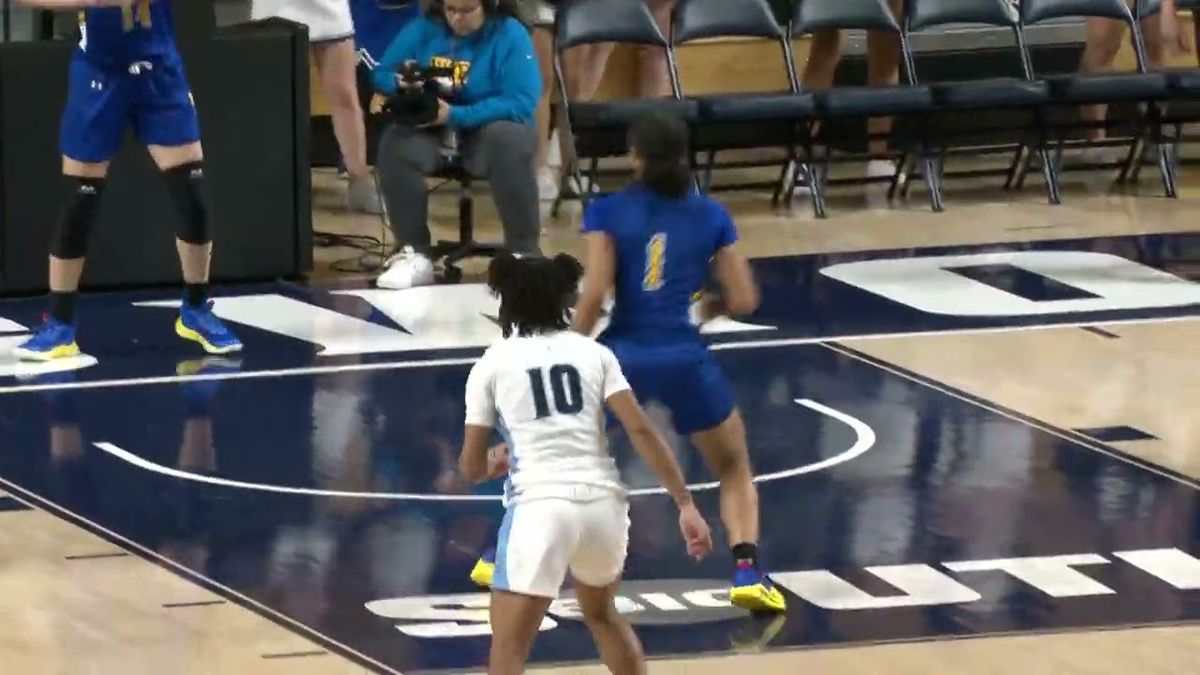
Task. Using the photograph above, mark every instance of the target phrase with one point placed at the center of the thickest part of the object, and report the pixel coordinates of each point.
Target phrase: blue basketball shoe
(199, 324)
(485, 569)
(54, 340)
(752, 590)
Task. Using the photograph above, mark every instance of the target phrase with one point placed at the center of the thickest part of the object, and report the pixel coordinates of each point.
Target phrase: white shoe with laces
(406, 269)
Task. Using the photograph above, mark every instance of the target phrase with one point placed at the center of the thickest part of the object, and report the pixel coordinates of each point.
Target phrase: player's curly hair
(536, 293)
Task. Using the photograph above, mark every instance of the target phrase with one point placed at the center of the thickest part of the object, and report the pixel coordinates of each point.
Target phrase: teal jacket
(495, 66)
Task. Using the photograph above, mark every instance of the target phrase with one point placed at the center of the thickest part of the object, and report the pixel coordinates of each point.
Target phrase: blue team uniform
(126, 71)
(663, 250)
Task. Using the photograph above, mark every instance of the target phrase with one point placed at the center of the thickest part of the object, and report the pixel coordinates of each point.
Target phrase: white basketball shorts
(327, 20)
(540, 540)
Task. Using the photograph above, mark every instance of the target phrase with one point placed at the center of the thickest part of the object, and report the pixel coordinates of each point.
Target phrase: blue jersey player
(127, 72)
(653, 245)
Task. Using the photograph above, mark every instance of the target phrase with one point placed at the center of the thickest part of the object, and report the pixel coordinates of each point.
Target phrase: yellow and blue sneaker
(54, 340)
(752, 590)
(199, 324)
(485, 569)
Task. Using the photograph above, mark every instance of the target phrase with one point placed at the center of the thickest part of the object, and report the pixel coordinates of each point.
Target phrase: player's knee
(77, 219)
(185, 185)
(344, 96)
(598, 613)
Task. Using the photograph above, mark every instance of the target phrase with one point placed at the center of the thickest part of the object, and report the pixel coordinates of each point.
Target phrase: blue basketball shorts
(151, 96)
(684, 377)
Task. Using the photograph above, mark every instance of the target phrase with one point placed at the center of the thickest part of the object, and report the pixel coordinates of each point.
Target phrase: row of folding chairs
(802, 123)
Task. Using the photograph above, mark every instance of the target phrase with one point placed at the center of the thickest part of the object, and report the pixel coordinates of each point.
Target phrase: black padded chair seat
(874, 100)
(752, 107)
(1109, 87)
(998, 92)
(621, 113)
(1186, 80)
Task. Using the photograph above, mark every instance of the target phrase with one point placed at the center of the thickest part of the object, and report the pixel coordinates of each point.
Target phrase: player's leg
(1102, 41)
(704, 410)
(654, 79)
(336, 62)
(597, 565)
(165, 119)
(883, 69)
(92, 128)
(533, 553)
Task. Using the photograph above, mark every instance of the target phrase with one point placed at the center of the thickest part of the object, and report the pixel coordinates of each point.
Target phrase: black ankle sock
(62, 306)
(195, 295)
(747, 552)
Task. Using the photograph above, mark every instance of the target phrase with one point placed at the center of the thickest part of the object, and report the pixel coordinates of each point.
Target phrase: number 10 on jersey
(565, 385)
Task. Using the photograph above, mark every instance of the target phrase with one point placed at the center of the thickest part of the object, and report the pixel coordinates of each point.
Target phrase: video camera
(415, 102)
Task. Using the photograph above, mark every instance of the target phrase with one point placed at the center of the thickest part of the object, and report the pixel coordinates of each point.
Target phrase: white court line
(864, 441)
(467, 360)
(1016, 416)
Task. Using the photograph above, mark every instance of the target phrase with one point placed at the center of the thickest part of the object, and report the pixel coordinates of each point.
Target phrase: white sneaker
(547, 180)
(881, 168)
(406, 269)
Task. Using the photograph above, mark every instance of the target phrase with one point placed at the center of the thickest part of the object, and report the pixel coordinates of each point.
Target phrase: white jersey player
(547, 388)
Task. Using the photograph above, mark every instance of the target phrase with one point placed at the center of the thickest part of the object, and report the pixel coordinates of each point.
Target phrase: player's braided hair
(660, 140)
(535, 292)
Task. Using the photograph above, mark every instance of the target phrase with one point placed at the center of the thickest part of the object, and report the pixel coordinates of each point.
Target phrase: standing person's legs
(336, 63)
(406, 157)
(1103, 41)
(883, 69)
(503, 152)
(543, 45)
(654, 79)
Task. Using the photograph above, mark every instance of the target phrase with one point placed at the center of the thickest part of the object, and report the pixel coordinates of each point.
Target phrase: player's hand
(695, 532)
(497, 461)
(1173, 36)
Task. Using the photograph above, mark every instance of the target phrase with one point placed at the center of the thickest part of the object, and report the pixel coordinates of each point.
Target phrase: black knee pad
(185, 184)
(77, 218)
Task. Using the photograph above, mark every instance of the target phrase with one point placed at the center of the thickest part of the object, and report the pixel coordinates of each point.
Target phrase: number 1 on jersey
(130, 20)
(656, 260)
(565, 385)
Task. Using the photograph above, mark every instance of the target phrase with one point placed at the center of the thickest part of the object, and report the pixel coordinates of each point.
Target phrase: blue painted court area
(323, 486)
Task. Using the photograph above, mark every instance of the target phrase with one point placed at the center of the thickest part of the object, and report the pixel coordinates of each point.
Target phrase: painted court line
(467, 360)
(864, 441)
(1029, 420)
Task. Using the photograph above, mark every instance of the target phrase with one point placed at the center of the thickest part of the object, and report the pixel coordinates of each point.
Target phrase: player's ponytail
(660, 141)
(535, 292)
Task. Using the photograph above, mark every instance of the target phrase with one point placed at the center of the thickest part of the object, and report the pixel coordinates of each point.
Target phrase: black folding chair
(599, 129)
(1145, 90)
(1183, 105)
(961, 102)
(741, 121)
(905, 101)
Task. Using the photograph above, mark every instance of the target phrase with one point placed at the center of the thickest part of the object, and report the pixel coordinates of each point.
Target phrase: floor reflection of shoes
(757, 631)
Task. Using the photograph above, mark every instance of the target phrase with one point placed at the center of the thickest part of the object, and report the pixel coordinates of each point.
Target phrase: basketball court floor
(975, 435)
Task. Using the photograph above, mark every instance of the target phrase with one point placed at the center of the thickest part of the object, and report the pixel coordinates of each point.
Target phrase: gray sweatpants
(501, 152)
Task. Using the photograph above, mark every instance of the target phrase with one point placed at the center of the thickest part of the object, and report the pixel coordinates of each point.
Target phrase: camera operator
(462, 79)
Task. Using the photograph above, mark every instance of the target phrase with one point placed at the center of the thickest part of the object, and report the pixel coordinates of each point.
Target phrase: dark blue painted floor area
(945, 480)
(958, 511)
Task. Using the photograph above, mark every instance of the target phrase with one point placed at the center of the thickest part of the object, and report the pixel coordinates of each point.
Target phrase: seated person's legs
(503, 152)
(406, 157)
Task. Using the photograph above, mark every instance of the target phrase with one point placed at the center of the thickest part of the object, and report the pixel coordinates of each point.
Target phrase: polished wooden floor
(76, 603)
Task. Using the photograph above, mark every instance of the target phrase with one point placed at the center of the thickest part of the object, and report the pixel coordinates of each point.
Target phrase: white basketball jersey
(547, 394)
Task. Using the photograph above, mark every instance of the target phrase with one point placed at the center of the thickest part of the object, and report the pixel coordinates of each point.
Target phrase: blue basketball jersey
(122, 35)
(663, 250)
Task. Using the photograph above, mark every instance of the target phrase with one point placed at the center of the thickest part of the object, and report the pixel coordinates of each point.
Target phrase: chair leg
(1014, 167)
(933, 180)
(1050, 175)
(816, 190)
(1166, 167)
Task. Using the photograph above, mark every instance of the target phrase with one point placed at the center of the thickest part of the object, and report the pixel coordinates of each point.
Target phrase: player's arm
(739, 293)
(598, 276)
(480, 418)
(654, 451)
